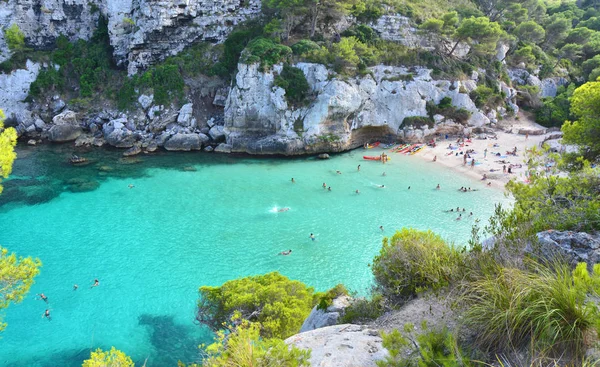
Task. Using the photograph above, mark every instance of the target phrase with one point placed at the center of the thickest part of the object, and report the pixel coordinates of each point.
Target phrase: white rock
(344, 345)
(146, 101)
(185, 114)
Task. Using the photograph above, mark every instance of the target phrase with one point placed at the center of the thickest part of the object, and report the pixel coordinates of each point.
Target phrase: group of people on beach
(44, 298)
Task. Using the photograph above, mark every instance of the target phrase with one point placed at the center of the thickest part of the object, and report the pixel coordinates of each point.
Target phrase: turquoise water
(197, 219)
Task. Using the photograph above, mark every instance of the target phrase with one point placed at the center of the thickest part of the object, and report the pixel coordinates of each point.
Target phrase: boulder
(223, 148)
(67, 117)
(134, 150)
(57, 105)
(574, 247)
(208, 148)
(323, 156)
(345, 345)
(478, 119)
(64, 133)
(221, 97)
(185, 142)
(185, 114)
(121, 138)
(321, 318)
(31, 142)
(216, 133)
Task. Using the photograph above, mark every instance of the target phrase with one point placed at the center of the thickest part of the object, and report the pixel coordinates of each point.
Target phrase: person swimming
(382, 186)
(381, 227)
(75, 286)
(131, 186)
(312, 236)
(409, 187)
(47, 314)
(383, 174)
(293, 181)
(324, 185)
(437, 187)
(338, 172)
(459, 217)
(358, 168)
(329, 188)
(358, 192)
(285, 253)
(43, 297)
(283, 210)
(96, 283)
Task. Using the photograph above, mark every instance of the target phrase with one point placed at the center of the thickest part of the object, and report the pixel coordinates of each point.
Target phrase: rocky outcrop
(321, 318)
(142, 32)
(574, 247)
(66, 128)
(14, 88)
(185, 142)
(344, 345)
(343, 113)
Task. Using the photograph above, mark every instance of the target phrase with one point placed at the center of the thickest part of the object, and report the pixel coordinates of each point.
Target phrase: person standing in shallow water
(312, 236)
(293, 181)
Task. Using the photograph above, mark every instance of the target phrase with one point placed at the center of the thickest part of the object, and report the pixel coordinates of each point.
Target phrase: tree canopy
(112, 358)
(585, 131)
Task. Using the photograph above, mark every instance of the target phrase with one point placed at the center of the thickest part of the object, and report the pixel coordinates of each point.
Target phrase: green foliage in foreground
(112, 358)
(543, 306)
(413, 261)
(295, 84)
(16, 277)
(362, 310)
(245, 347)
(279, 304)
(432, 348)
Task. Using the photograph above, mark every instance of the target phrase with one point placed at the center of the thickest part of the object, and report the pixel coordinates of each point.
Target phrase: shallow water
(197, 219)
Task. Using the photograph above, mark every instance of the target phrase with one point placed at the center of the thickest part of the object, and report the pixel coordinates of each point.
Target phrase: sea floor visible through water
(194, 219)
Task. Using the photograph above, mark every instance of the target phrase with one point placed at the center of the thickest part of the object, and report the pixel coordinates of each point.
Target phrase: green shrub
(325, 300)
(418, 121)
(233, 47)
(245, 347)
(279, 304)
(362, 32)
(414, 261)
(485, 96)
(362, 310)
(433, 348)
(15, 39)
(446, 109)
(295, 84)
(304, 46)
(266, 52)
(541, 307)
(47, 80)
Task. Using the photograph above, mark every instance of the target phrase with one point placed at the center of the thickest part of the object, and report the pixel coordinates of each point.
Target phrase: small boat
(374, 158)
(414, 148)
(400, 147)
(371, 146)
(388, 146)
(417, 149)
(77, 160)
(407, 149)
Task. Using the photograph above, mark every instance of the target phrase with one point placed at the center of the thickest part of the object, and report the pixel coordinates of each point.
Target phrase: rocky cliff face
(142, 32)
(343, 113)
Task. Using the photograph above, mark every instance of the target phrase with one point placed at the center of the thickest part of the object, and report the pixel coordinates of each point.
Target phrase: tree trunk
(314, 13)
(454, 48)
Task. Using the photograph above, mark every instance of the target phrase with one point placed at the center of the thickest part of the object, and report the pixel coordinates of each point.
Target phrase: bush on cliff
(413, 261)
(266, 52)
(245, 347)
(279, 304)
(295, 84)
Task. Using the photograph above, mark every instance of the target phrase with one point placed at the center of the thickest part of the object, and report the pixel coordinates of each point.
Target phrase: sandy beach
(489, 164)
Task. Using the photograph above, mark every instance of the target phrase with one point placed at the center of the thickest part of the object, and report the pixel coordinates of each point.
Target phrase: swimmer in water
(358, 192)
(329, 188)
(459, 217)
(47, 314)
(358, 168)
(437, 187)
(43, 297)
(381, 227)
(382, 186)
(285, 253)
(312, 236)
(131, 186)
(338, 172)
(75, 286)
(324, 185)
(283, 210)
(470, 214)
(293, 181)
(409, 187)
(96, 283)
(383, 174)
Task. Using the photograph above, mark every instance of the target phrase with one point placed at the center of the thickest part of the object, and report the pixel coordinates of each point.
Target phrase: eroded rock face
(345, 345)
(14, 88)
(343, 114)
(142, 32)
(322, 318)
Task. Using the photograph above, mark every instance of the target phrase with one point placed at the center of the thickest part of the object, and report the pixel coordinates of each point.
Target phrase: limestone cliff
(342, 114)
(142, 32)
